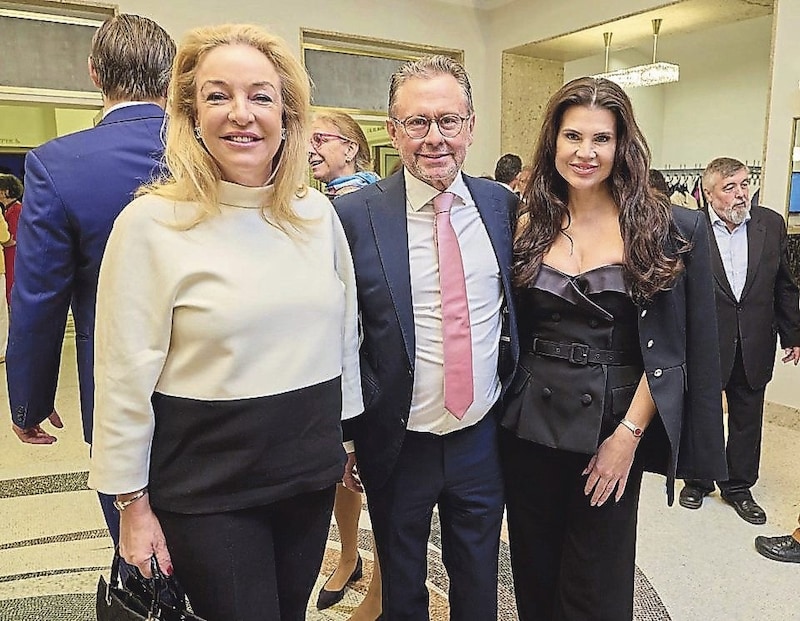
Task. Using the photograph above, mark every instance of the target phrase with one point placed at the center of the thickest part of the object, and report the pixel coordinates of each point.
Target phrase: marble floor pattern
(692, 564)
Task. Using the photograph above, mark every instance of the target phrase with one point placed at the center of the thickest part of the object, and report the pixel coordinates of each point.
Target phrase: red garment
(12, 218)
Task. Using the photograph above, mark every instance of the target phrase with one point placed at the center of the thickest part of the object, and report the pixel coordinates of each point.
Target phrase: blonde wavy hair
(193, 174)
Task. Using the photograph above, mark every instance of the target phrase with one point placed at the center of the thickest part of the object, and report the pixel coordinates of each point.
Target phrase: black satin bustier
(580, 361)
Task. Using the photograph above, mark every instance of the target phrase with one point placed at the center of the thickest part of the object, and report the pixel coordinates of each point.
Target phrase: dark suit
(75, 186)
(748, 328)
(374, 220)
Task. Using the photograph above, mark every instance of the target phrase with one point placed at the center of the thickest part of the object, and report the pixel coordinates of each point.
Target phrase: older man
(76, 186)
(432, 253)
(756, 297)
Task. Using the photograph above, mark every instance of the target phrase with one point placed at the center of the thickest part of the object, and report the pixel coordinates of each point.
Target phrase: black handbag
(159, 598)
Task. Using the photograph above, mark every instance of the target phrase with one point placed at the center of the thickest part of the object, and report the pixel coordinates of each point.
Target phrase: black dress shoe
(326, 598)
(748, 510)
(692, 497)
(785, 548)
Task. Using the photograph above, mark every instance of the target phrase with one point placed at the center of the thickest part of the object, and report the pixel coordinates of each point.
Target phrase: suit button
(546, 393)
(649, 343)
(657, 373)
(644, 313)
(593, 323)
(586, 399)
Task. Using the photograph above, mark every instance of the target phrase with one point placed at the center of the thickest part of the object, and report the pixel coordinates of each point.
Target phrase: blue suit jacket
(374, 220)
(75, 186)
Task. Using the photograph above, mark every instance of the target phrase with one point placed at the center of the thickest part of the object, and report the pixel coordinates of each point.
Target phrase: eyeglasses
(320, 138)
(418, 126)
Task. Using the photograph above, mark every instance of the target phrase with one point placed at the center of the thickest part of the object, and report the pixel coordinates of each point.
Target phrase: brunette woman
(621, 370)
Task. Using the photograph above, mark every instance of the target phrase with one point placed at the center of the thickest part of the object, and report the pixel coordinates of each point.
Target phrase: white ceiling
(481, 5)
(636, 31)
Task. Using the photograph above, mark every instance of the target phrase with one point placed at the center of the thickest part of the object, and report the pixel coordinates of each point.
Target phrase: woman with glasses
(619, 370)
(339, 155)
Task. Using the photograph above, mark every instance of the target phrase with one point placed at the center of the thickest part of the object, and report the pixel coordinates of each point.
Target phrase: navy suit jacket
(75, 186)
(374, 220)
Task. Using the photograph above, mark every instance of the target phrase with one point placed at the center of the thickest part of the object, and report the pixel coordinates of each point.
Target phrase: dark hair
(657, 181)
(507, 168)
(11, 185)
(645, 216)
(132, 57)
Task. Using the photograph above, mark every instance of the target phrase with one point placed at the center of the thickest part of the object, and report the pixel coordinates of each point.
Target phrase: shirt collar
(419, 193)
(125, 104)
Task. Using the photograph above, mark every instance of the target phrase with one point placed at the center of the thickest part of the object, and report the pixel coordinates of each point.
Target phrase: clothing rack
(686, 184)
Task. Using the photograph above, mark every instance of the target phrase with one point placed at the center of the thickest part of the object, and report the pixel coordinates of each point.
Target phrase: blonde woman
(226, 341)
(338, 154)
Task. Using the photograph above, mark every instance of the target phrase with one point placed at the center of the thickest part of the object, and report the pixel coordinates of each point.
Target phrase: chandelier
(641, 75)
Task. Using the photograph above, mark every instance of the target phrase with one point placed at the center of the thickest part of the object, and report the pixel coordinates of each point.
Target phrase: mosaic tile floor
(68, 592)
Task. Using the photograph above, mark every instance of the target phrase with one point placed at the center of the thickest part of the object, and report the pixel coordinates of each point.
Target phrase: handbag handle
(158, 577)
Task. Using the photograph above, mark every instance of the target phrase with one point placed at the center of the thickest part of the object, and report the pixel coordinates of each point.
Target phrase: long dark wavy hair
(645, 217)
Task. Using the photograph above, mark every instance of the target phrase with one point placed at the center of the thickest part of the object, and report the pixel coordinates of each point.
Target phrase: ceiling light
(641, 75)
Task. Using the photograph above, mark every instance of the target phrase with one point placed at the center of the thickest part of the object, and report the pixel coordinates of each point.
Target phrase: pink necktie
(456, 335)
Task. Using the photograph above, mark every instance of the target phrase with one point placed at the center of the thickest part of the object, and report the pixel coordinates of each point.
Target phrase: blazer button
(546, 393)
(586, 399)
(556, 317)
(657, 373)
(649, 343)
(644, 313)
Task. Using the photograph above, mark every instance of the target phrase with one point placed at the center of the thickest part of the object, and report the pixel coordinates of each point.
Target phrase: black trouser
(571, 561)
(256, 564)
(743, 450)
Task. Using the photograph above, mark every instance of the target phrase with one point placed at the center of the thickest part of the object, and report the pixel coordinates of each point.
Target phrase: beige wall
(783, 108)
(527, 84)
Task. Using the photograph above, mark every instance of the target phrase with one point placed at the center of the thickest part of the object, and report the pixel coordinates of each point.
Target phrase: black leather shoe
(785, 548)
(692, 497)
(326, 598)
(748, 510)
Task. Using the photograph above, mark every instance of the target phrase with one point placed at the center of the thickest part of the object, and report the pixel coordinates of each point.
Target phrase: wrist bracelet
(634, 429)
(121, 505)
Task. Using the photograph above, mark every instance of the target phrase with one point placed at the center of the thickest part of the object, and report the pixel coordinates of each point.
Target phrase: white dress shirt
(484, 296)
(732, 249)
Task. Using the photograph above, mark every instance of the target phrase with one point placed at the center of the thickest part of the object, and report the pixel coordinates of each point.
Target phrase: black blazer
(374, 220)
(769, 305)
(681, 362)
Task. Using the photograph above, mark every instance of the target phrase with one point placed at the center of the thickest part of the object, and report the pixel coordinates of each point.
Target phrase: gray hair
(722, 166)
(132, 57)
(429, 67)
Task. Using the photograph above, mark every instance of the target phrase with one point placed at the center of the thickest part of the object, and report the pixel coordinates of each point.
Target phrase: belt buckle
(579, 354)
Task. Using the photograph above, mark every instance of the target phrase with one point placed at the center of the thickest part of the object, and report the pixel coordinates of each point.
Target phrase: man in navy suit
(413, 453)
(75, 186)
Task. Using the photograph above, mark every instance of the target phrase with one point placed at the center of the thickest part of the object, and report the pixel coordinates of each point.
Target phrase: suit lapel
(716, 262)
(756, 235)
(387, 213)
